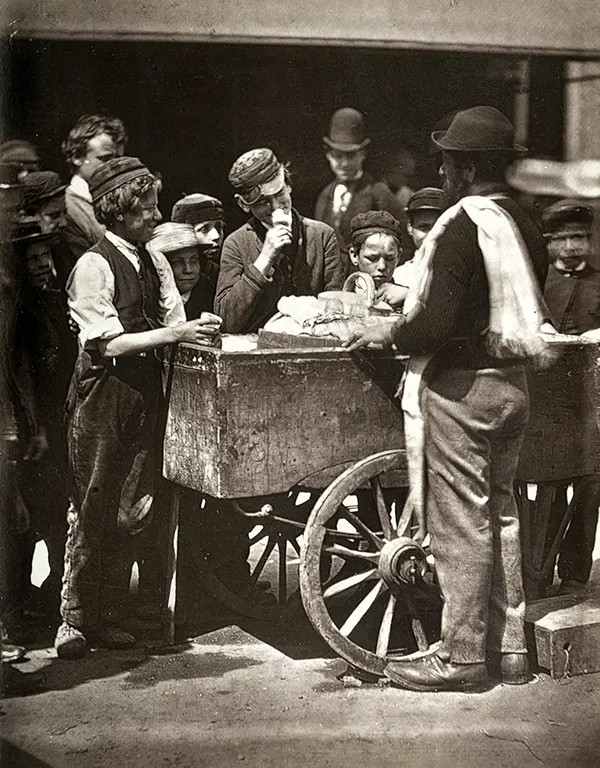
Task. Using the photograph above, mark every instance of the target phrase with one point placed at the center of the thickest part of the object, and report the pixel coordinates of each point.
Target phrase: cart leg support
(171, 586)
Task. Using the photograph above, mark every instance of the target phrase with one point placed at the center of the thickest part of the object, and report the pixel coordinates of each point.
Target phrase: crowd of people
(97, 288)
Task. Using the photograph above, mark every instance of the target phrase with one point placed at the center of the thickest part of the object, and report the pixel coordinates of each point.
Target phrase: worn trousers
(475, 422)
(111, 456)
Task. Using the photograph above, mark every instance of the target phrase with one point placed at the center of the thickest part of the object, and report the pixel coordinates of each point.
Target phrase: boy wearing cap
(353, 190)
(572, 293)
(276, 253)
(44, 332)
(205, 214)
(376, 247)
(127, 307)
(93, 140)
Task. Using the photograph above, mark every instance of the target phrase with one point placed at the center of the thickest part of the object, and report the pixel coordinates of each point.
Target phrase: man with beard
(276, 253)
(471, 323)
(127, 307)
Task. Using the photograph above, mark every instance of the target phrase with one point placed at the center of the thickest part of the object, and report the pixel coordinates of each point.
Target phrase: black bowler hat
(479, 129)
(347, 131)
(29, 231)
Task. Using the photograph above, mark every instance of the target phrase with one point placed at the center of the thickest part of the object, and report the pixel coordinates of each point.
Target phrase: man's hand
(37, 445)
(393, 295)
(201, 331)
(277, 238)
(379, 335)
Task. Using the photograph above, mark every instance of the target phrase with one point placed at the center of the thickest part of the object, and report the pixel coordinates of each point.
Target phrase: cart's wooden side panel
(245, 425)
(195, 422)
(563, 439)
(293, 417)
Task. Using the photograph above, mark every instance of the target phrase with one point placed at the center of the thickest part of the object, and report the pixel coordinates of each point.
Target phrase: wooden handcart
(253, 429)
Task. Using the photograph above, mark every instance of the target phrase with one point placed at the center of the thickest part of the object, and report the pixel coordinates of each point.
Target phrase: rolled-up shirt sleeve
(91, 290)
(171, 309)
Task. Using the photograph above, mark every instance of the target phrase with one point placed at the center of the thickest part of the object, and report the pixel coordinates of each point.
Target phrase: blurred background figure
(572, 293)
(353, 190)
(22, 155)
(92, 141)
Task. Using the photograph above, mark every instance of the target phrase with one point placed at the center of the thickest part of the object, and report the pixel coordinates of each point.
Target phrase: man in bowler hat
(473, 401)
(353, 189)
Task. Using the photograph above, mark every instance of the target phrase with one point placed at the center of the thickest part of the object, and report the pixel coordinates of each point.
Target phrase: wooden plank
(566, 630)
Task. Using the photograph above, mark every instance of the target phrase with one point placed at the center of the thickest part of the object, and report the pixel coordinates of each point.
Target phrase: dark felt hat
(197, 208)
(374, 222)
(28, 231)
(568, 211)
(426, 199)
(347, 131)
(479, 129)
(41, 186)
(18, 151)
(9, 177)
(114, 173)
(255, 174)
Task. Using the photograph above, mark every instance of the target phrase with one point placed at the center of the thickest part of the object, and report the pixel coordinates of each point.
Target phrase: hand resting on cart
(200, 331)
(380, 336)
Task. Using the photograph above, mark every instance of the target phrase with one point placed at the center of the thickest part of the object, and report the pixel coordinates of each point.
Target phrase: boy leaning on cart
(127, 308)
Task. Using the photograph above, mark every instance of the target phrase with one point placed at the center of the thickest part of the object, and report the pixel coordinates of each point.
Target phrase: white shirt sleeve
(405, 274)
(91, 290)
(170, 307)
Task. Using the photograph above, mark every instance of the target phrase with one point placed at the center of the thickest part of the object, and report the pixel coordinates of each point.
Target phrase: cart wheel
(272, 549)
(365, 585)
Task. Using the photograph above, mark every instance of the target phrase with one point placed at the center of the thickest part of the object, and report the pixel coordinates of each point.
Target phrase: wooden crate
(258, 422)
(566, 633)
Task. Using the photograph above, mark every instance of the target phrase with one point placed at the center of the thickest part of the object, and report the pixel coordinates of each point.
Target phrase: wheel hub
(402, 561)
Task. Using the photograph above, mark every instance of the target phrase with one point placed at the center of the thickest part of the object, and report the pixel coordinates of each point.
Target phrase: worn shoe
(70, 642)
(12, 653)
(510, 668)
(113, 637)
(430, 673)
(16, 683)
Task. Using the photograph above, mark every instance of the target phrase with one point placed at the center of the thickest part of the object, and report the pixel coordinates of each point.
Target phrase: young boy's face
(572, 245)
(52, 216)
(141, 221)
(421, 224)
(185, 264)
(378, 256)
(39, 264)
(210, 233)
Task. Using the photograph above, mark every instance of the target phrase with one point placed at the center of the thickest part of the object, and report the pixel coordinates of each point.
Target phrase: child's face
(378, 256)
(572, 245)
(210, 233)
(421, 224)
(185, 264)
(39, 264)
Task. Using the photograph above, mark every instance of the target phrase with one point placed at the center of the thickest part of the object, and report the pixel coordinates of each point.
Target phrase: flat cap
(197, 208)
(41, 186)
(567, 211)
(172, 236)
(255, 174)
(28, 231)
(426, 199)
(114, 174)
(375, 222)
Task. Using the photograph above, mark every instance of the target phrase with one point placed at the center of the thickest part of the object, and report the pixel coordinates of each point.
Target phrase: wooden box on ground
(566, 632)
(258, 422)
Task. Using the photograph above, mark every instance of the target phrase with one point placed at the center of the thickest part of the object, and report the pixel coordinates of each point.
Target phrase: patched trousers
(475, 422)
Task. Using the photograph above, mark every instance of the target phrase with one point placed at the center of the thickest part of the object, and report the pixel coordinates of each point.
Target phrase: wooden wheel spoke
(258, 536)
(349, 582)
(282, 548)
(361, 609)
(351, 554)
(384, 517)
(295, 546)
(361, 527)
(260, 565)
(383, 638)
